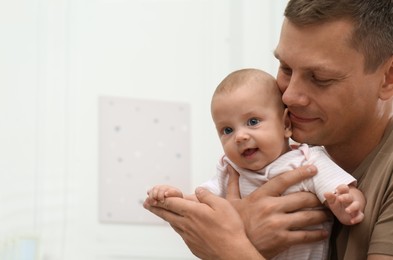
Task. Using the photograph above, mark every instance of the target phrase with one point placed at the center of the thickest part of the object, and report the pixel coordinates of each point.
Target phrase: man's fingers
(233, 191)
(298, 200)
(162, 212)
(301, 220)
(282, 182)
(173, 208)
(207, 198)
(173, 205)
(306, 218)
(308, 236)
(278, 185)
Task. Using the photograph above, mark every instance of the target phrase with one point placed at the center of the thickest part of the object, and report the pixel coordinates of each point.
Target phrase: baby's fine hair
(251, 78)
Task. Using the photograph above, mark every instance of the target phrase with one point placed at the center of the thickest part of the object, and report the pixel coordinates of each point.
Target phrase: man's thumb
(203, 195)
(233, 190)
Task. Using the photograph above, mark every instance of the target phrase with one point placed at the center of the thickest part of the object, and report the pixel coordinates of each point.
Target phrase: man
(336, 76)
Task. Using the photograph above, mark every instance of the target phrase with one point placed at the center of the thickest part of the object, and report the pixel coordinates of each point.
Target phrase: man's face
(331, 100)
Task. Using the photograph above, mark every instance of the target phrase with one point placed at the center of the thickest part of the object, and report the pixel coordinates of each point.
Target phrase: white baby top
(327, 179)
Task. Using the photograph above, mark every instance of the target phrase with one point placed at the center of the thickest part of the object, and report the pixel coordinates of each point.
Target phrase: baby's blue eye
(227, 130)
(253, 121)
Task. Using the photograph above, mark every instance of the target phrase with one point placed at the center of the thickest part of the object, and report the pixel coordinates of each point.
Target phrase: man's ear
(287, 124)
(386, 91)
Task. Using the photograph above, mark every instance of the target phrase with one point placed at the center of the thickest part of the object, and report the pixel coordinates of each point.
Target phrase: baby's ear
(287, 124)
(386, 91)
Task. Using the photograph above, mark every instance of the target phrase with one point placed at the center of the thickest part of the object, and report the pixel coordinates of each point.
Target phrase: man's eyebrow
(316, 67)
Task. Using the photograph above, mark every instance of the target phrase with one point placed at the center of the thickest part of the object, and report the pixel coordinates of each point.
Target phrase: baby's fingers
(345, 199)
(342, 189)
(150, 193)
(173, 193)
(353, 207)
(156, 193)
(358, 218)
(330, 197)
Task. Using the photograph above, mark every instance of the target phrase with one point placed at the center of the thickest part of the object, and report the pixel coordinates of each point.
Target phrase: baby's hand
(344, 205)
(160, 192)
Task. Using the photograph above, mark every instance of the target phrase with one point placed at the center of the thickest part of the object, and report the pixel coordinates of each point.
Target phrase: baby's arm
(160, 192)
(347, 204)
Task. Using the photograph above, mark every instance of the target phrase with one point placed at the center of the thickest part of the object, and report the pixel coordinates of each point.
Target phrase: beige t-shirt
(375, 234)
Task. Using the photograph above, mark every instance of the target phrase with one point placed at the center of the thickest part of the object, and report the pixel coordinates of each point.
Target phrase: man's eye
(286, 70)
(322, 82)
(253, 121)
(227, 130)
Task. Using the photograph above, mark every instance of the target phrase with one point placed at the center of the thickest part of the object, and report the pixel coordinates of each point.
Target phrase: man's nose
(295, 93)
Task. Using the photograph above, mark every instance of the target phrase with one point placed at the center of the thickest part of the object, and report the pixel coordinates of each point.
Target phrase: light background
(57, 57)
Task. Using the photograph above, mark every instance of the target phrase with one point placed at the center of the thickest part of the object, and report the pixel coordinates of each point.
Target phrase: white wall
(57, 57)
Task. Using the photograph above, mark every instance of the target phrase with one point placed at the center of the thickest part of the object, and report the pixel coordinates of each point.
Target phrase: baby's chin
(253, 168)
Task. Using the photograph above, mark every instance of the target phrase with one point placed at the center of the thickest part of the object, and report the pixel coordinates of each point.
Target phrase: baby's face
(251, 130)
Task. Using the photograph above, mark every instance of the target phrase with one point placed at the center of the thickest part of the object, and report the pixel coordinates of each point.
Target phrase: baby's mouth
(249, 152)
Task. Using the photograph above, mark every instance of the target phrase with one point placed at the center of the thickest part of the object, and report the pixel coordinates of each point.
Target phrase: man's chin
(302, 138)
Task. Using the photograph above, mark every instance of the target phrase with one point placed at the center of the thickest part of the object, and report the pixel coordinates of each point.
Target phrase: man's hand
(211, 228)
(273, 222)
